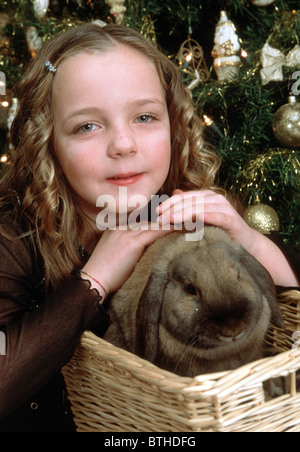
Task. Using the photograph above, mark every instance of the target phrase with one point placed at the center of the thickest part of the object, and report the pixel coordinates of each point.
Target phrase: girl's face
(111, 126)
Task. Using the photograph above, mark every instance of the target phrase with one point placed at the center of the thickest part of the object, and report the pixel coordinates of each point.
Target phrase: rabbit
(195, 307)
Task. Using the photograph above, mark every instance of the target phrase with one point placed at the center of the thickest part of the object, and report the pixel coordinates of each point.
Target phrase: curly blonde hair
(54, 220)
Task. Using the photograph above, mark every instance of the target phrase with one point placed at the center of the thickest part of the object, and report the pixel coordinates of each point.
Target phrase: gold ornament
(117, 9)
(226, 50)
(192, 61)
(34, 41)
(148, 29)
(286, 125)
(262, 218)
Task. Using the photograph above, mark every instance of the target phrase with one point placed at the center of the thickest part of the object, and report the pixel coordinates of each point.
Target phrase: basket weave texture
(112, 390)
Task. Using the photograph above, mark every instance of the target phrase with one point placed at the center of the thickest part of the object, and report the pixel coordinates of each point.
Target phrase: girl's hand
(116, 255)
(216, 210)
(210, 207)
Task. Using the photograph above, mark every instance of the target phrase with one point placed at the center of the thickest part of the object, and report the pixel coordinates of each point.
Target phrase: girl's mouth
(125, 179)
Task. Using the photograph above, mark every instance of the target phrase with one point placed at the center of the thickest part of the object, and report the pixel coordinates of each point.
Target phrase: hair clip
(49, 66)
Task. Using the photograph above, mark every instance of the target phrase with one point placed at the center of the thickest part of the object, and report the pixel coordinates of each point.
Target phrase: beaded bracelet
(96, 281)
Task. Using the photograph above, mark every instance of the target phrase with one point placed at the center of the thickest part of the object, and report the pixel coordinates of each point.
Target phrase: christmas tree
(240, 60)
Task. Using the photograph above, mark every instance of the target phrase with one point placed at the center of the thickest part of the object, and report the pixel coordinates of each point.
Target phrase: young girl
(100, 109)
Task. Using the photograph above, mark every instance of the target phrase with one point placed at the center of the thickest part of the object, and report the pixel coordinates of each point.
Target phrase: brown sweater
(41, 335)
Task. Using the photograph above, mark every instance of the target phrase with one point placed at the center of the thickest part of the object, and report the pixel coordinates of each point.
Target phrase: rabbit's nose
(232, 329)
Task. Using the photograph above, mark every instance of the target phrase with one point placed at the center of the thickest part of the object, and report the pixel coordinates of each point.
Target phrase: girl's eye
(88, 127)
(144, 119)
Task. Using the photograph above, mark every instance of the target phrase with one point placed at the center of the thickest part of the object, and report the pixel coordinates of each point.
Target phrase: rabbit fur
(194, 307)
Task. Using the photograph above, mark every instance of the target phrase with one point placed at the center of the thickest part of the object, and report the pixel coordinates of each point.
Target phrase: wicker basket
(112, 390)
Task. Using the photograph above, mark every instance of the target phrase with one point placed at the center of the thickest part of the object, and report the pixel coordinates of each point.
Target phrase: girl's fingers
(219, 219)
(205, 206)
(186, 206)
(181, 212)
(179, 197)
(169, 203)
(179, 200)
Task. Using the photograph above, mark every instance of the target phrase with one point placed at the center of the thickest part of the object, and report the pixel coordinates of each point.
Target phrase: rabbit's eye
(189, 288)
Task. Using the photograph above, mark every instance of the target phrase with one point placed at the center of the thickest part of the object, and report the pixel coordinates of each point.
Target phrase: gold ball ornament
(286, 125)
(262, 218)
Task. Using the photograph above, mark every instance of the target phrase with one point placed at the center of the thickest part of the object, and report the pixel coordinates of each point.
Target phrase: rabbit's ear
(148, 316)
(265, 283)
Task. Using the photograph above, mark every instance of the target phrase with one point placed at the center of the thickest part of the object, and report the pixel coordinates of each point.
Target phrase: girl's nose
(122, 143)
